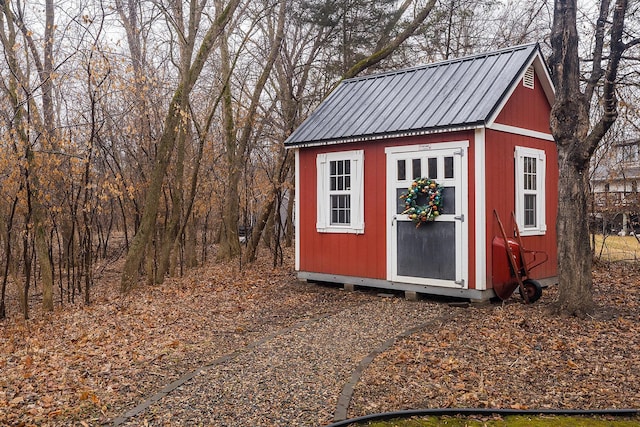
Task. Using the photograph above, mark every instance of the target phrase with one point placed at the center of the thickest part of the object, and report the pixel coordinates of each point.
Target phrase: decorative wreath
(423, 213)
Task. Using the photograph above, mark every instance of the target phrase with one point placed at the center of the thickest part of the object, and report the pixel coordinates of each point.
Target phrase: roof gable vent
(527, 80)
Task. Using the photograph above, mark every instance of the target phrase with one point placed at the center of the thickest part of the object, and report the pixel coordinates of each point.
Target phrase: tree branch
(392, 45)
(610, 101)
(596, 67)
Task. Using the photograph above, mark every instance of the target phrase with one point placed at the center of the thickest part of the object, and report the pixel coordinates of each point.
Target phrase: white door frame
(458, 149)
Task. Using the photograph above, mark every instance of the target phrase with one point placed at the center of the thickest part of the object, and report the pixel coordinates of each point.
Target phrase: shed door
(431, 254)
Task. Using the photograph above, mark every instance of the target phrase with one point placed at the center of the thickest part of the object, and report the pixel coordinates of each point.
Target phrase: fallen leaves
(518, 356)
(92, 363)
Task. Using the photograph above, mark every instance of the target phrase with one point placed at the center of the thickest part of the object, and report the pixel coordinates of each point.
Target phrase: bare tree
(577, 137)
(238, 132)
(172, 125)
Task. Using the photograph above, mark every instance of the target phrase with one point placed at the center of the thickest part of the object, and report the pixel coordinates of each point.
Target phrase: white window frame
(356, 193)
(540, 157)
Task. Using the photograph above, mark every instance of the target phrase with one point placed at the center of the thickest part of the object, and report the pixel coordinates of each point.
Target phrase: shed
(477, 126)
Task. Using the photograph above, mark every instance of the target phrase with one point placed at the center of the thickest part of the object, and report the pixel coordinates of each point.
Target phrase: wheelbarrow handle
(535, 262)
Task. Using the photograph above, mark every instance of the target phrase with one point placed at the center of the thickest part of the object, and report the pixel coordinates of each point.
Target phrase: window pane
(340, 182)
(347, 182)
(402, 170)
(333, 183)
(341, 209)
(448, 167)
(529, 210)
(417, 172)
(332, 167)
(530, 173)
(433, 168)
(340, 167)
(347, 167)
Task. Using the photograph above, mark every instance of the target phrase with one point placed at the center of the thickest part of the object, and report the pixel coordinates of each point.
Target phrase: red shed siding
(500, 181)
(527, 109)
(362, 255)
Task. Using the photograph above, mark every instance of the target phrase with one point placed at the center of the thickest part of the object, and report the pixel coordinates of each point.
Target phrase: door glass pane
(401, 205)
(402, 170)
(433, 168)
(448, 200)
(417, 171)
(448, 167)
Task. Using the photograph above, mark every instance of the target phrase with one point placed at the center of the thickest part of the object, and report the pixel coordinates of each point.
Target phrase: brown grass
(616, 248)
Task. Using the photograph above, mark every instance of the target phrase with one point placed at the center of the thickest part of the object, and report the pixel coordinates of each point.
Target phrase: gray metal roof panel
(382, 112)
(446, 94)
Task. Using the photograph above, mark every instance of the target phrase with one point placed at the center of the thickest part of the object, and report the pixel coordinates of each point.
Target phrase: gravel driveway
(293, 377)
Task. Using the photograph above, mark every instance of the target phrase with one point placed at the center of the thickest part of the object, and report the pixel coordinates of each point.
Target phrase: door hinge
(459, 218)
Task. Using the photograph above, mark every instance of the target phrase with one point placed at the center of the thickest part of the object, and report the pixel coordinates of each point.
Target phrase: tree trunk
(46, 272)
(142, 238)
(290, 229)
(229, 243)
(574, 251)
(175, 222)
(577, 140)
(256, 232)
(7, 250)
(190, 243)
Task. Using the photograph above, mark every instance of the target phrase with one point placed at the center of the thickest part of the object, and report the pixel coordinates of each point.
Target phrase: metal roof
(456, 94)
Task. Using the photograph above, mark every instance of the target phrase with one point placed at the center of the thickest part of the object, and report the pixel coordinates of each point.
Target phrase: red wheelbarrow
(512, 263)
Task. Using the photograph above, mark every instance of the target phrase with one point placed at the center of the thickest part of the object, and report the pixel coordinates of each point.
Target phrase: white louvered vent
(528, 79)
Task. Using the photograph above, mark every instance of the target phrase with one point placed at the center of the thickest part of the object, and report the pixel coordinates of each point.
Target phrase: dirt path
(293, 377)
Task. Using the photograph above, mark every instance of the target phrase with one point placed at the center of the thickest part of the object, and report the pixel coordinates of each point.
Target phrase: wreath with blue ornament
(421, 214)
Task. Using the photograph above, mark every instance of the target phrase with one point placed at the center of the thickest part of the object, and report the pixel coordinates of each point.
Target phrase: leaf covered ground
(85, 365)
(89, 364)
(510, 355)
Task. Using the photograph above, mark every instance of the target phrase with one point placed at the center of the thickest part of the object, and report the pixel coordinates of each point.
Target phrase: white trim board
(480, 210)
(521, 131)
(427, 147)
(473, 294)
(296, 229)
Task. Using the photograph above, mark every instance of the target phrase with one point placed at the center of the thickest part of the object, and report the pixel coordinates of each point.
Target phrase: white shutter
(357, 192)
(542, 210)
(321, 192)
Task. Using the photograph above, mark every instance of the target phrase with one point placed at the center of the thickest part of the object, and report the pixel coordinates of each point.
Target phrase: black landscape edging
(484, 411)
(344, 400)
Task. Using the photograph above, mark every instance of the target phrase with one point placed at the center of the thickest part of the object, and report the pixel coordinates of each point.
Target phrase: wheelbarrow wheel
(533, 288)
